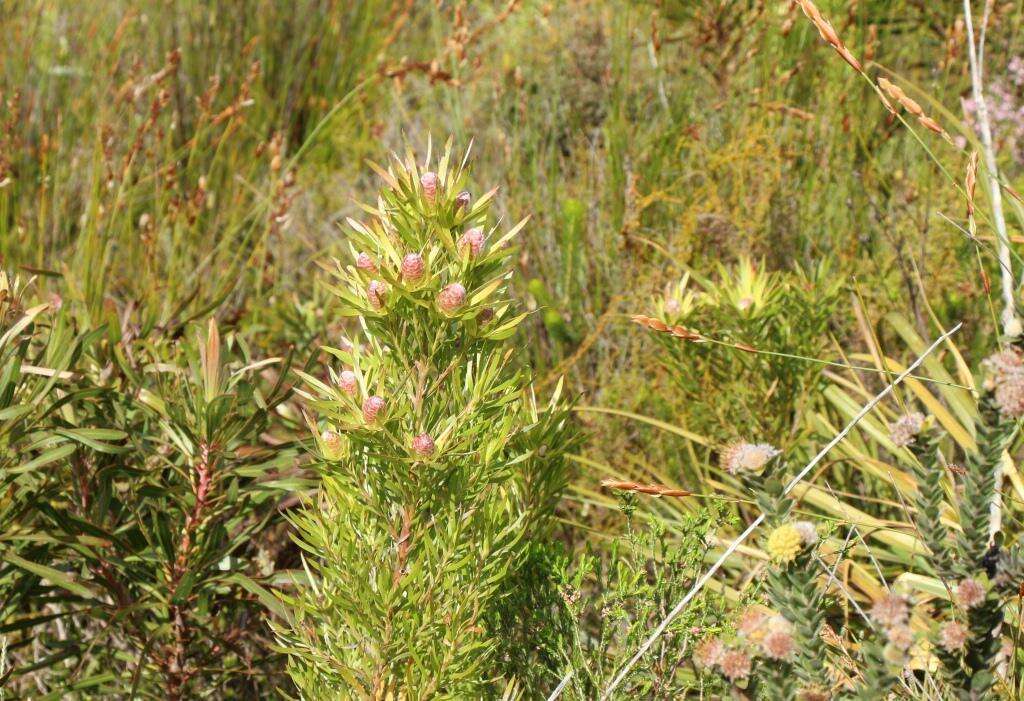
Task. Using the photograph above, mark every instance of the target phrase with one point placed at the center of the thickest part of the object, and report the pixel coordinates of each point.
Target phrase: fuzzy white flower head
(904, 430)
(747, 457)
(807, 531)
(1013, 327)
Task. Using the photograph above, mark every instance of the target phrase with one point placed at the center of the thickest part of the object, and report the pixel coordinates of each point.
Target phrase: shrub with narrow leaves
(445, 469)
(136, 499)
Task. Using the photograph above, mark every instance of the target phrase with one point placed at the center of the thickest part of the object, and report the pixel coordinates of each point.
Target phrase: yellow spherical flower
(784, 543)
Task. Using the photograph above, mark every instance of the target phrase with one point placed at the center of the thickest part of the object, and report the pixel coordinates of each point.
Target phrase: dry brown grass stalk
(658, 325)
(970, 181)
(828, 33)
(652, 489)
(910, 105)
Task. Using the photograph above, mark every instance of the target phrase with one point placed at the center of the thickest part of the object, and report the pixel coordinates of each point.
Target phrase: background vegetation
(174, 178)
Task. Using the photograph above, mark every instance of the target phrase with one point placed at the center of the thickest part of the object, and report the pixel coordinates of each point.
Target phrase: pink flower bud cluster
(451, 298)
(373, 406)
(413, 268)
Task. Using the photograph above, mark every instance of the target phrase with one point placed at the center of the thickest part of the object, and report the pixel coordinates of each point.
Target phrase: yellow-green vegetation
(295, 403)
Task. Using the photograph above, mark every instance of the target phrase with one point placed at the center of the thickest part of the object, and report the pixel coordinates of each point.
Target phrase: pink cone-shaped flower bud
(376, 292)
(365, 263)
(332, 445)
(413, 268)
(348, 382)
(462, 200)
(372, 407)
(423, 445)
(451, 298)
(429, 183)
(471, 243)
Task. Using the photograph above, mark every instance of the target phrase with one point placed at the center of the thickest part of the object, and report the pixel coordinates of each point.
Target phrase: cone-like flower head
(429, 181)
(451, 298)
(365, 263)
(372, 408)
(471, 243)
(423, 445)
(333, 445)
(348, 383)
(413, 268)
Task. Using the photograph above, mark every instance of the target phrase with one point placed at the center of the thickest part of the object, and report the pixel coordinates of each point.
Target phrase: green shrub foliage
(439, 466)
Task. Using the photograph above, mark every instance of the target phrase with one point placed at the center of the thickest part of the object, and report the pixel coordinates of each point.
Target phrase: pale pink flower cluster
(376, 293)
(471, 243)
(365, 263)
(451, 298)
(904, 430)
(901, 636)
(778, 642)
(1006, 381)
(735, 664)
(758, 633)
(952, 636)
(969, 593)
(747, 457)
(892, 613)
(429, 181)
(890, 610)
(413, 268)
(1005, 110)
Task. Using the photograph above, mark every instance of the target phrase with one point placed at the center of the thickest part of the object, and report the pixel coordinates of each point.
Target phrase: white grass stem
(1011, 325)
